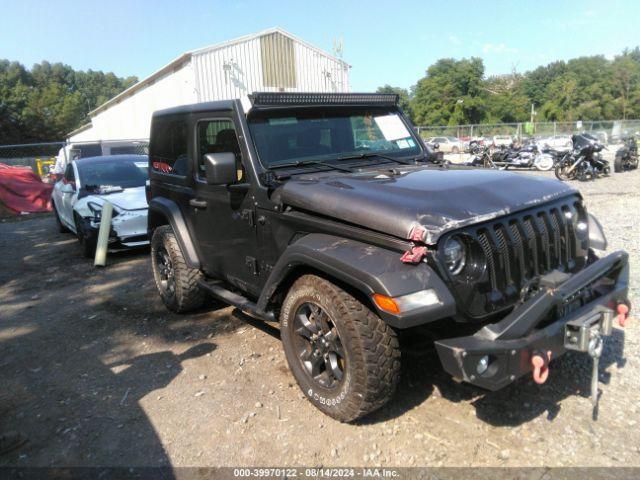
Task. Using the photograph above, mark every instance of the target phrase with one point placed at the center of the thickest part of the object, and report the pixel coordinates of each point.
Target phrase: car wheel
(87, 241)
(59, 225)
(344, 357)
(176, 282)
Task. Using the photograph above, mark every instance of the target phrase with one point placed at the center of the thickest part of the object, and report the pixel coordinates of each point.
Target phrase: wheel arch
(298, 271)
(163, 211)
(361, 270)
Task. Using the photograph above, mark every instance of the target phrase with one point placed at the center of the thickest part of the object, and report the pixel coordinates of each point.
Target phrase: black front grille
(517, 249)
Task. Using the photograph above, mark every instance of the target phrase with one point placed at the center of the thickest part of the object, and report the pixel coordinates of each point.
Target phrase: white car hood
(127, 199)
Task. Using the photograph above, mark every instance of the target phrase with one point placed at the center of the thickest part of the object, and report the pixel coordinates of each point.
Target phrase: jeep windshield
(298, 137)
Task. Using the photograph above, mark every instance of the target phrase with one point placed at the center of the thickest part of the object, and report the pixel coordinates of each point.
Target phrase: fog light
(483, 364)
(582, 226)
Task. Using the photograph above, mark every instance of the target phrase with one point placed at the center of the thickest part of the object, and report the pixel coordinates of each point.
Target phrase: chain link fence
(41, 157)
(607, 131)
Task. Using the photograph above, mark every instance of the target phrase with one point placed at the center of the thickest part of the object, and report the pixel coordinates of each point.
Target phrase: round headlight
(455, 255)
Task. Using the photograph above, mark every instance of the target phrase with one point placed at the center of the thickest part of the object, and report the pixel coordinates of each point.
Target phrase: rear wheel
(618, 165)
(176, 282)
(344, 357)
(544, 163)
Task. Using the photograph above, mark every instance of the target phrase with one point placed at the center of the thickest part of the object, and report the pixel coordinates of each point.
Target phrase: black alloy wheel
(318, 345)
(166, 272)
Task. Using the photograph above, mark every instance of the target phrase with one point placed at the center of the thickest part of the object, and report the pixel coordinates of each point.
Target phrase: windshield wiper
(305, 163)
(371, 154)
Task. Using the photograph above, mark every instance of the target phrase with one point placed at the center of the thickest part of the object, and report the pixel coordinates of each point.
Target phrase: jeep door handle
(194, 202)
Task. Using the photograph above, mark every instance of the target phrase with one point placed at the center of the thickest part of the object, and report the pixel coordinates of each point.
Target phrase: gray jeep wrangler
(328, 214)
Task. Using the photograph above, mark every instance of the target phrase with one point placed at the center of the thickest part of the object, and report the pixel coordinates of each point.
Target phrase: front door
(223, 216)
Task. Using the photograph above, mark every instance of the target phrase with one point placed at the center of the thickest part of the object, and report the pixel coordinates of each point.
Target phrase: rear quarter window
(168, 150)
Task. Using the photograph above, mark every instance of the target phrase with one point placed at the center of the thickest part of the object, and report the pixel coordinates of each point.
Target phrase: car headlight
(455, 255)
(96, 210)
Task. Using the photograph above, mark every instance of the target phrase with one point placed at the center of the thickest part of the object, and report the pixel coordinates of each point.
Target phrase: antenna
(338, 47)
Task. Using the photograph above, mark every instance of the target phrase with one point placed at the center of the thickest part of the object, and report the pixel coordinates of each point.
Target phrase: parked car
(558, 142)
(448, 144)
(73, 151)
(601, 135)
(501, 140)
(87, 183)
(274, 209)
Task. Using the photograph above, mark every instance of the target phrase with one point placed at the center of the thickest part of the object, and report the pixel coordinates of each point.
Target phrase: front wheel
(563, 171)
(176, 282)
(88, 240)
(344, 357)
(60, 227)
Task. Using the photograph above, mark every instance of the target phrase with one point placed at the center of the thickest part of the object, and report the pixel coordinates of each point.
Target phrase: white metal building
(270, 60)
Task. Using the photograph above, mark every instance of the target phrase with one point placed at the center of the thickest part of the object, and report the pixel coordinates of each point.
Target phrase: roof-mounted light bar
(276, 99)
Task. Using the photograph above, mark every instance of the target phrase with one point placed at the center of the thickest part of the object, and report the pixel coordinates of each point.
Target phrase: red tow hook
(540, 363)
(623, 314)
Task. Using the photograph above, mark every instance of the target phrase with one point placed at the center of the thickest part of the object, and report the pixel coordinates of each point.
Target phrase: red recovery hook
(540, 363)
(623, 314)
(417, 252)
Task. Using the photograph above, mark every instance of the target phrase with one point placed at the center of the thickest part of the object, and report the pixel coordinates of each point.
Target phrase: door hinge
(252, 263)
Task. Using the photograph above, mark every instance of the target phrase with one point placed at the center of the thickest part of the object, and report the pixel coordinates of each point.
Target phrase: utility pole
(533, 112)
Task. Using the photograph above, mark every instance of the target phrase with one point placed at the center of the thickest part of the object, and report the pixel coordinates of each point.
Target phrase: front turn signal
(386, 303)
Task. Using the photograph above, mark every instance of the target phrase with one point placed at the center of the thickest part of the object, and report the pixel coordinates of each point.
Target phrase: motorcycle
(583, 161)
(528, 156)
(553, 154)
(481, 158)
(626, 156)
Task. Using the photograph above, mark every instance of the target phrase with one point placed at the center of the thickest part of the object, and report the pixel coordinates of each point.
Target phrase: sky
(390, 42)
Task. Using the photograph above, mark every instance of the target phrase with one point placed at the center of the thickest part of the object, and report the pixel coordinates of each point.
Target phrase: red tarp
(21, 190)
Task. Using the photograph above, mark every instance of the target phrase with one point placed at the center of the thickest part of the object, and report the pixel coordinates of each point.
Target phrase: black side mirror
(220, 168)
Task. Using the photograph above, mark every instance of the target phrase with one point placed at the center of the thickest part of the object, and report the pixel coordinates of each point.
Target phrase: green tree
(50, 100)
(449, 93)
(403, 98)
(585, 88)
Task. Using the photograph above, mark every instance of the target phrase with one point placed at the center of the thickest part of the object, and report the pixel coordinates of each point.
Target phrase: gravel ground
(95, 371)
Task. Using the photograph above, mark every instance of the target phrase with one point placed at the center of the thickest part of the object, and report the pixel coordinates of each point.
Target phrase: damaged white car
(87, 184)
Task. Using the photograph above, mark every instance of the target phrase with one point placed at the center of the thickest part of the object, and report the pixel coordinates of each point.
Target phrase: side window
(69, 175)
(169, 147)
(218, 136)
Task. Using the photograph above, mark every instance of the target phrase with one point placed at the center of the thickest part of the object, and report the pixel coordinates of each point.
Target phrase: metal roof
(179, 61)
(82, 128)
(218, 105)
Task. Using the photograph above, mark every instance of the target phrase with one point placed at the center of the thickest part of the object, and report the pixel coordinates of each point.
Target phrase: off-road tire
(60, 227)
(87, 245)
(187, 294)
(371, 349)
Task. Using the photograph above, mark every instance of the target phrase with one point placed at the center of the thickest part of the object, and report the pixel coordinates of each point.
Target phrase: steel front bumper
(545, 323)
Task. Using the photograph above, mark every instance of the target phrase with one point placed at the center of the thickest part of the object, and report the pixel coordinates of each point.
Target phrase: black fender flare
(169, 211)
(368, 269)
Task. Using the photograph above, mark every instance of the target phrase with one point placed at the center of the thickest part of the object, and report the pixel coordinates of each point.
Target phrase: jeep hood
(439, 200)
